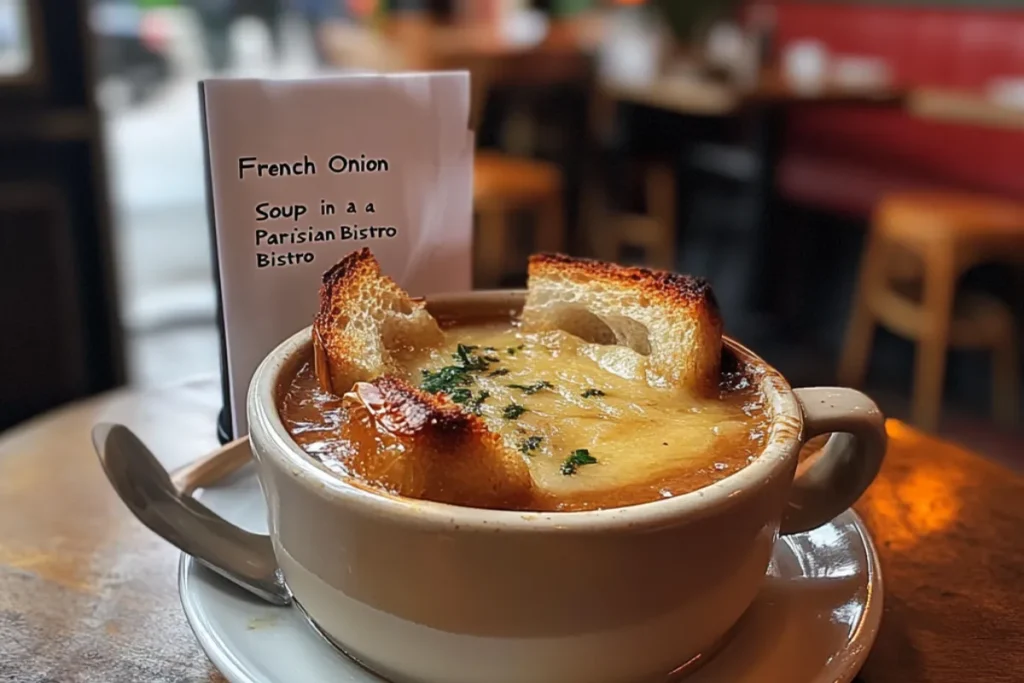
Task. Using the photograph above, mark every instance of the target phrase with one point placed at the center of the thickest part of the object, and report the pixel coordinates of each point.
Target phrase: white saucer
(814, 621)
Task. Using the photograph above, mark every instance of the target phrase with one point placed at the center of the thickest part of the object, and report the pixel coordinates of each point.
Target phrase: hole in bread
(631, 333)
(580, 322)
(608, 330)
(393, 333)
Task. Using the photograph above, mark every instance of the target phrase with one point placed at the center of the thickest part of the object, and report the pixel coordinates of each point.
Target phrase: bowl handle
(833, 479)
(245, 558)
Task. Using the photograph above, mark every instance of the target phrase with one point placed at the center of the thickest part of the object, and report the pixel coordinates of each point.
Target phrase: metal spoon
(245, 558)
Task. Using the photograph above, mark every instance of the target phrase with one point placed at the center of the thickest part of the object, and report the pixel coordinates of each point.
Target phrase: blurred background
(849, 175)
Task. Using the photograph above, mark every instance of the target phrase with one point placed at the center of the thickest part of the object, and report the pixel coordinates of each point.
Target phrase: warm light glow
(924, 502)
(362, 8)
(897, 430)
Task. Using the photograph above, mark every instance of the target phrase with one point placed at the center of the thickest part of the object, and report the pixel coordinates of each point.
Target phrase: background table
(694, 95)
(88, 595)
(419, 43)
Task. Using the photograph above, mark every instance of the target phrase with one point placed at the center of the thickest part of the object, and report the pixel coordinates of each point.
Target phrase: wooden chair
(919, 245)
(652, 232)
(610, 233)
(505, 184)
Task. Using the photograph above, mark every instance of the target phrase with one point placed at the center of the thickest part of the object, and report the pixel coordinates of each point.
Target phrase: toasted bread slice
(364, 319)
(422, 445)
(671, 319)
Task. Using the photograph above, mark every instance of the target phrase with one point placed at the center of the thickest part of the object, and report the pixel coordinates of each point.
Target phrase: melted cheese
(638, 434)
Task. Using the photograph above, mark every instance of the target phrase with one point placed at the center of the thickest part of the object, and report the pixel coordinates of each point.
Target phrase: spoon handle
(243, 557)
(211, 468)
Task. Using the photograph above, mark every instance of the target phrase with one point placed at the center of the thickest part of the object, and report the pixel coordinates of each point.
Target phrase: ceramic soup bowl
(429, 592)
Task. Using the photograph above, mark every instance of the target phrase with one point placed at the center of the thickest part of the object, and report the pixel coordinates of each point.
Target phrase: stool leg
(660, 191)
(606, 243)
(550, 235)
(1005, 381)
(939, 289)
(853, 363)
(489, 248)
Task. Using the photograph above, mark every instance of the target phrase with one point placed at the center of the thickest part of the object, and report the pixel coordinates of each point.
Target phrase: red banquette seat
(845, 158)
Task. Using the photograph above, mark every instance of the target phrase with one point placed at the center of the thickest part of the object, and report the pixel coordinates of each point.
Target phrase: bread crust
(422, 445)
(665, 287)
(356, 266)
(364, 317)
(673, 319)
(404, 410)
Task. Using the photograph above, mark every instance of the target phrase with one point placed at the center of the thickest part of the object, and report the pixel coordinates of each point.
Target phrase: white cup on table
(805, 65)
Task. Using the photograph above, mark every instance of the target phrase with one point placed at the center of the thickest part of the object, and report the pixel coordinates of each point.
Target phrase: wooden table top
(693, 94)
(419, 43)
(88, 595)
(965, 107)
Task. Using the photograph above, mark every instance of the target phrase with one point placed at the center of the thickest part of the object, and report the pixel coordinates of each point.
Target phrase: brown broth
(649, 443)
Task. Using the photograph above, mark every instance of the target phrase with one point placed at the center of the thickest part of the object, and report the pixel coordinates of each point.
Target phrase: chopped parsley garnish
(490, 348)
(467, 361)
(530, 389)
(498, 373)
(512, 349)
(579, 457)
(590, 393)
(445, 380)
(530, 443)
(466, 398)
(461, 395)
(512, 411)
(474, 403)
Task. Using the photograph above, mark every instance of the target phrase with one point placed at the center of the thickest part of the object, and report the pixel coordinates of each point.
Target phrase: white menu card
(302, 172)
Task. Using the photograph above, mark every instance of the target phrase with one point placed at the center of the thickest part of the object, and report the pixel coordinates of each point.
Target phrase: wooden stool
(653, 232)
(918, 247)
(502, 185)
